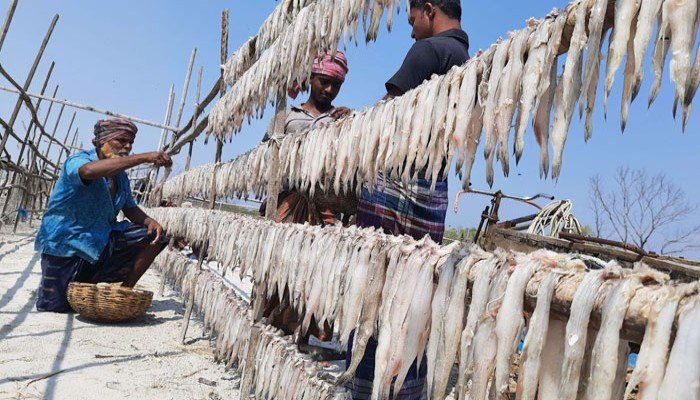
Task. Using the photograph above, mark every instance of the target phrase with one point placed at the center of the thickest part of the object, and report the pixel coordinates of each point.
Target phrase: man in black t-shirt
(440, 44)
(412, 209)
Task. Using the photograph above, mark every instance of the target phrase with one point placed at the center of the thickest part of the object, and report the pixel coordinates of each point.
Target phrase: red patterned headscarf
(108, 129)
(334, 66)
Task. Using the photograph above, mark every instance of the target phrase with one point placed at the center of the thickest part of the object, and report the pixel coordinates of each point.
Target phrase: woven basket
(108, 302)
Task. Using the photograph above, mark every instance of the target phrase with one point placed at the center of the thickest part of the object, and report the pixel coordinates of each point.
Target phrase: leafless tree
(645, 210)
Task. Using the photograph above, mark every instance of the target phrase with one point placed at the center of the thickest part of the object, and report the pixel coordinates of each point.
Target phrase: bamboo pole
(153, 175)
(53, 133)
(30, 166)
(222, 87)
(93, 109)
(185, 89)
(273, 179)
(27, 102)
(32, 124)
(26, 138)
(28, 81)
(46, 120)
(161, 290)
(60, 155)
(199, 128)
(8, 20)
(168, 114)
(217, 159)
(180, 109)
(194, 117)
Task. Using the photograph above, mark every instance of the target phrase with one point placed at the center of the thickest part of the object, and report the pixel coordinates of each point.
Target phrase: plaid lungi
(398, 209)
(405, 209)
(360, 387)
(115, 263)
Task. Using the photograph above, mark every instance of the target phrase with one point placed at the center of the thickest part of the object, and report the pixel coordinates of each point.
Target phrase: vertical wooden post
(249, 362)
(217, 159)
(28, 82)
(222, 86)
(8, 20)
(273, 176)
(180, 198)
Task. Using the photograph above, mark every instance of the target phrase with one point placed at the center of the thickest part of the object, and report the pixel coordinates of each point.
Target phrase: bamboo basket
(108, 302)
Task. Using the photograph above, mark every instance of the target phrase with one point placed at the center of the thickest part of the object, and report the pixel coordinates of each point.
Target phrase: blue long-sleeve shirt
(81, 213)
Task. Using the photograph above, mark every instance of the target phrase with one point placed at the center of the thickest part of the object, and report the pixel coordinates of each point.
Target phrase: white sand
(62, 356)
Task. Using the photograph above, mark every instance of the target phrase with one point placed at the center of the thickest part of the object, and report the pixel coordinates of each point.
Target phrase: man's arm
(110, 167)
(138, 217)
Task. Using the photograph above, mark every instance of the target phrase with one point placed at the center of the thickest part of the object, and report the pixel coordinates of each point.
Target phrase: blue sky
(123, 56)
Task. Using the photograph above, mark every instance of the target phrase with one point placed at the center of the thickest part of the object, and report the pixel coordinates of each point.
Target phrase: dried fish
(510, 320)
(530, 360)
(576, 331)
(625, 11)
(604, 361)
(569, 87)
(682, 377)
(534, 70)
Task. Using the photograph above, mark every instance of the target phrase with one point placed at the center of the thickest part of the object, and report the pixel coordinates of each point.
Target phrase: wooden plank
(525, 242)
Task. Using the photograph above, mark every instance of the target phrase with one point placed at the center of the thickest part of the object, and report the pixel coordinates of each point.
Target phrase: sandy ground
(63, 356)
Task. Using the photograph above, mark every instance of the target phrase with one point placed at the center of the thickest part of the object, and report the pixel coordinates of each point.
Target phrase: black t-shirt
(434, 55)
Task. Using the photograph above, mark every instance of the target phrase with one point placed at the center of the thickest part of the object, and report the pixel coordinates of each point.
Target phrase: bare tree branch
(643, 209)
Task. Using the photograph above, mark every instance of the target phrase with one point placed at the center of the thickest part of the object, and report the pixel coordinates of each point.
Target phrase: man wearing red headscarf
(80, 238)
(327, 76)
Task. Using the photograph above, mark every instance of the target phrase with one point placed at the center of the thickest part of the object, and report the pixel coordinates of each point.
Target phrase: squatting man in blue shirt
(80, 238)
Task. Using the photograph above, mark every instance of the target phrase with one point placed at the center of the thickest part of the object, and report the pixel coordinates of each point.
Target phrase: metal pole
(28, 82)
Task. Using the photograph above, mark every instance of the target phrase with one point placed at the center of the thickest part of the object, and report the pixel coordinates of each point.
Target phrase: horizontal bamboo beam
(92, 109)
(636, 318)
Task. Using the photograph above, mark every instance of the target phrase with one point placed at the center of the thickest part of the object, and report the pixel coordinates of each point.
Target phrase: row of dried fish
(270, 365)
(495, 95)
(317, 28)
(381, 285)
(237, 178)
(268, 33)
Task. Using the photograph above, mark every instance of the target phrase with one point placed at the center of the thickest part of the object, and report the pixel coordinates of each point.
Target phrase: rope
(554, 218)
